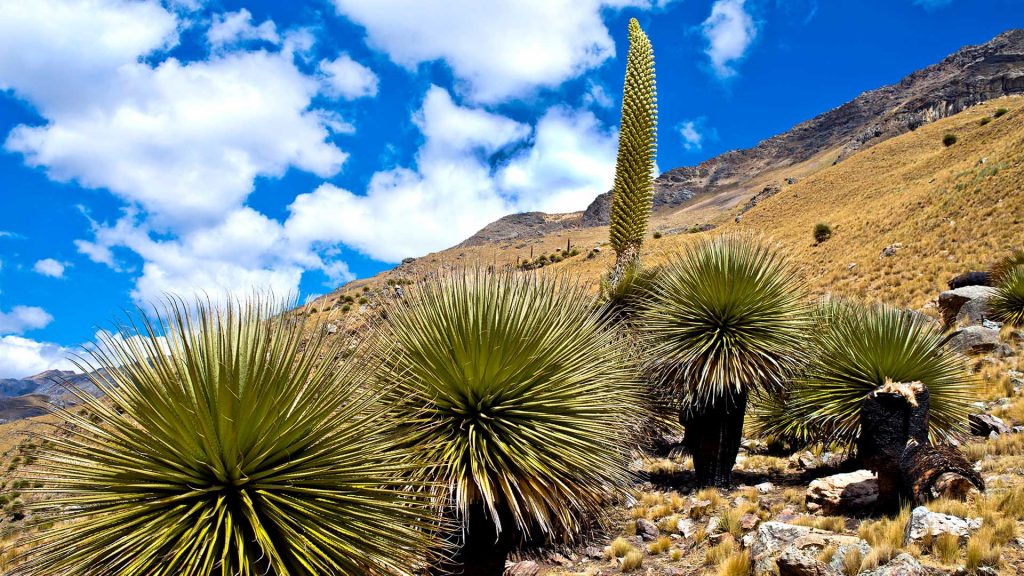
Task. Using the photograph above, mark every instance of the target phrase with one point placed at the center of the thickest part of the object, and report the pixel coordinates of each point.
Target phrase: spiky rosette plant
(858, 350)
(1007, 304)
(225, 445)
(633, 191)
(1005, 265)
(516, 389)
(726, 319)
(623, 300)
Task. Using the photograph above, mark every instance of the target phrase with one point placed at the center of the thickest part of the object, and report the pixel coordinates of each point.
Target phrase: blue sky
(185, 145)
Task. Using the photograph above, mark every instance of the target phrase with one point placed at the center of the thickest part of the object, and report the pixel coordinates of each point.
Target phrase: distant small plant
(363, 300)
(657, 235)
(1000, 112)
(822, 232)
(346, 308)
(948, 140)
(984, 120)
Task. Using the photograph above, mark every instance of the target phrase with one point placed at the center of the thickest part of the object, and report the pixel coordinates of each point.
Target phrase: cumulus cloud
(343, 77)
(473, 167)
(499, 50)
(729, 32)
(23, 318)
(235, 27)
(21, 357)
(49, 267)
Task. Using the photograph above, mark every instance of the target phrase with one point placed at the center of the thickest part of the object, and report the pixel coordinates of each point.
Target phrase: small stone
(764, 487)
(773, 538)
(331, 329)
(749, 521)
(524, 568)
(647, 530)
(891, 250)
(686, 527)
(902, 565)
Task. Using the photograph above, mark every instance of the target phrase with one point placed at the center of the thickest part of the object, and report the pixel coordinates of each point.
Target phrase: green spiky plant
(623, 300)
(224, 445)
(727, 319)
(1005, 264)
(514, 386)
(633, 191)
(1007, 304)
(855, 352)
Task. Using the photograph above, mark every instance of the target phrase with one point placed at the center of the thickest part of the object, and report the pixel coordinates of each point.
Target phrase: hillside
(950, 209)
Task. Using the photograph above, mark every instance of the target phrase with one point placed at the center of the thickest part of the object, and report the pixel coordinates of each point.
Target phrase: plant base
(713, 435)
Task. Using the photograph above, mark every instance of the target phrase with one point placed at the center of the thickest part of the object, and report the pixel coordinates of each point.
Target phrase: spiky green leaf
(1007, 304)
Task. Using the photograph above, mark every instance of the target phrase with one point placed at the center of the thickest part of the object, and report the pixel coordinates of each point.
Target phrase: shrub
(725, 320)
(949, 139)
(984, 121)
(822, 232)
(999, 112)
(513, 386)
(855, 350)
(1007, 304)
(632, 560)
(194, 468)
(657, 235)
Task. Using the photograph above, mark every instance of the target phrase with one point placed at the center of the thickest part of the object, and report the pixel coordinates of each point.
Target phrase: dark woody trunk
(483, 551)
(712, 437)
(894, 444)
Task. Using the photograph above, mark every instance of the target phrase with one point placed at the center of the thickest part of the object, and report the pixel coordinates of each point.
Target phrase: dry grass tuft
(735, 565)
(982, 550)
(633, 560)
(946, 548)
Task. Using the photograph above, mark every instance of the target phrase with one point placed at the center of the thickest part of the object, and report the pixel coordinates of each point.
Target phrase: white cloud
(185, 141)
(21, 357)
(49, 267)
(459, 185)
(23, 318)
(234, 27)
(729, 31)
(345, 78)
(597, 95)
(500, 50)
(694, 133)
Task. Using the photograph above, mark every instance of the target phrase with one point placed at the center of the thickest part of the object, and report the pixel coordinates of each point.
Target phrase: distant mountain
(25, 397)
(968, 77)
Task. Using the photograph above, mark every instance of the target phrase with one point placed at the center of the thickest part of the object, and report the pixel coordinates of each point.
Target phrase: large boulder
(952, 301)
(975, 340)
(774, 538)
(850, 492)
(926, 525)
(902, 565)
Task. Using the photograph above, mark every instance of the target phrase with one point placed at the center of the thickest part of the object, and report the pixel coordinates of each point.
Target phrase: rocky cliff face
(971, 75)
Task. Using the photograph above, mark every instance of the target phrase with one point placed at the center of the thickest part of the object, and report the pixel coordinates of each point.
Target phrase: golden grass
(852, 561)
(735, 565)
(718, 553)
(633, 560)
(982, 550)
(660, 546)
(619, 547)
(885, 533)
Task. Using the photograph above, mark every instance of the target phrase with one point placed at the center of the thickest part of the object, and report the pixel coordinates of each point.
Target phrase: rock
(686, 527)
(524, 568)
(805, 460)
(987, 424)
(749, 521)
(853, 491)
(764, 487)
(699, 508)
(330, 328)
(973, 313)
(891, 250)
(969, 279)
(794, 562)
(975, 340)
(409, 260)
(774, 538)
(924, 523)
(952, 301)
(902, 565)
(647, 530)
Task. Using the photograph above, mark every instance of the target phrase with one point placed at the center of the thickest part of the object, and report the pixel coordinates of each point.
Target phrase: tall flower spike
(633, 193)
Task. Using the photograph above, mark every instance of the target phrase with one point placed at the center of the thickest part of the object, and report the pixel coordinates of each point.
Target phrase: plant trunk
(712, 437)
(483, 551)
(629, 256)
(894, 444)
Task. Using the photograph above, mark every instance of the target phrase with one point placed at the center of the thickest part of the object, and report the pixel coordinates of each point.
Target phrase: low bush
(948, 140)
(1000, 112)
(822, 232)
